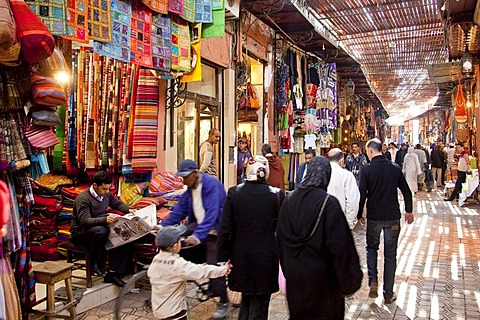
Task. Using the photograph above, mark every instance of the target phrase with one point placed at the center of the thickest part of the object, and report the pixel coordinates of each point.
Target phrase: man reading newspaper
(131, 227)
(91, 228)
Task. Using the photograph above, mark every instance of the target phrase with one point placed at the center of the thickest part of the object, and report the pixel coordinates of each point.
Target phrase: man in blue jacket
(202, 205)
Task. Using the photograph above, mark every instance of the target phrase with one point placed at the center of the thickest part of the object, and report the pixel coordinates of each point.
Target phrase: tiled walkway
(437, 273)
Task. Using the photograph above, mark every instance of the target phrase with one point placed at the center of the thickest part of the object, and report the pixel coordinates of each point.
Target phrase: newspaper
(130, 227)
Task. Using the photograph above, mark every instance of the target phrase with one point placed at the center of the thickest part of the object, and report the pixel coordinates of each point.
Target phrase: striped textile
(145, 123)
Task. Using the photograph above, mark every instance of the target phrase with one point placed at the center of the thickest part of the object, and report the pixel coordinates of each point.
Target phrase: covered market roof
(394, 42)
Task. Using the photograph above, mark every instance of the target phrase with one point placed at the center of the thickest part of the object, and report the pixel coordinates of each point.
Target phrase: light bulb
(62, 76)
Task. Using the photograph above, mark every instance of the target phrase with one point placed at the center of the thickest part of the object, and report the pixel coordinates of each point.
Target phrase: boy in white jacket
(169, 274)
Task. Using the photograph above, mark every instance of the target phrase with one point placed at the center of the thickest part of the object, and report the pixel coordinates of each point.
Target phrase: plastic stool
(50, 273)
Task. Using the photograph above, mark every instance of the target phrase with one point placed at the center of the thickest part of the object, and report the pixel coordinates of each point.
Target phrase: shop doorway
(195, 119)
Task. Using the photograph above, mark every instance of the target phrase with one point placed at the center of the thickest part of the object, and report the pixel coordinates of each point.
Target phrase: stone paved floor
(437, 274)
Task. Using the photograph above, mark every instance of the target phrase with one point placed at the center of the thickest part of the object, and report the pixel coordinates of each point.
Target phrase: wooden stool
(77, 264)
(49, 273)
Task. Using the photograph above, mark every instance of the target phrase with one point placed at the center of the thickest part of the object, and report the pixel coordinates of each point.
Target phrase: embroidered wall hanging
(119, 48)
(181, 55)
(160, 6)
(77, 20)
(203, 11)
(175, 6)
(217, 28)
(52, 13)
(99, 20)
(189, 10)
(141, 35)
(217, 4)
(161, 42)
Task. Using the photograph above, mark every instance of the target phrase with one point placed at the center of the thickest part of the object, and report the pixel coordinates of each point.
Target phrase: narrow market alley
(437, 273)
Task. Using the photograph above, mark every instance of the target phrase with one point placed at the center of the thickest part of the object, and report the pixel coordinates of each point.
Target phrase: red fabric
(36, 40)
(4, 204)
(45, 201)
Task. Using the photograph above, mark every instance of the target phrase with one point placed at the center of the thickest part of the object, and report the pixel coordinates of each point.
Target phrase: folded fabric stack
(43, 225)
(64, 217)
(170, 188)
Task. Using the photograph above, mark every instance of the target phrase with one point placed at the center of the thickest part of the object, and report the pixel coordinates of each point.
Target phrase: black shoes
(448, 199)
(97, 270)
(113, 278)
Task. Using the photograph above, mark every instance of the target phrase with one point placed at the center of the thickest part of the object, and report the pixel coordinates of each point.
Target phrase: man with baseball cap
(202, 205)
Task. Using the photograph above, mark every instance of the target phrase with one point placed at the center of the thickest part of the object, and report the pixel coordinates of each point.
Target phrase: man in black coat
(379, 182)
(247, 239)
(439, 164)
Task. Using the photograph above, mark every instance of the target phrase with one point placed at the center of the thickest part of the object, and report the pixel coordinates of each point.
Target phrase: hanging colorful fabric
(144, 135)
(15, 87)
(77, 20)
(217, 27)
(141, 35)
(52, 13)
(119, 48)
(9, 46)
(181, 55)
(161, 43)
(252, 96)
(175, 6)
(203, 11)
(460, 111)
(160, 6)
(196, 73)
(41, 137)
(188, 10)
(99, 20)
(36, 40)
(47, 91)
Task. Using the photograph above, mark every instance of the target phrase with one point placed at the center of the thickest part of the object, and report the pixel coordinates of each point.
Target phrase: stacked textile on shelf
(64, 217)
(43, 226)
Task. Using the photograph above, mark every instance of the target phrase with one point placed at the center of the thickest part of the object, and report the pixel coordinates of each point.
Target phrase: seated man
(90, 228)
(202, 205)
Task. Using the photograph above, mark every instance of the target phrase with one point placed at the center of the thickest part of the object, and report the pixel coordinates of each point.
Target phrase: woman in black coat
(317, 251)
(247, 239)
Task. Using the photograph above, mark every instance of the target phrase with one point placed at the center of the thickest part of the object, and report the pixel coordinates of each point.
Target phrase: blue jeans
(391, 230)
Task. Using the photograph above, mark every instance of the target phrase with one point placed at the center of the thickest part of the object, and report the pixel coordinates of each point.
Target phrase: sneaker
(392, 299)
(222, 310)
(373, 290)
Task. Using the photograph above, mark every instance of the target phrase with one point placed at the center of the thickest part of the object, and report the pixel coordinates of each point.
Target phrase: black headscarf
(318, 173)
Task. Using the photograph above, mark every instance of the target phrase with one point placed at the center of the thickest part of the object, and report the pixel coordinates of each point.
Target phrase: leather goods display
(37, 42)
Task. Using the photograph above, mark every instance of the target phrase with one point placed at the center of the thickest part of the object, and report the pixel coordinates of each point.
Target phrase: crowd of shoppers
(256, 227)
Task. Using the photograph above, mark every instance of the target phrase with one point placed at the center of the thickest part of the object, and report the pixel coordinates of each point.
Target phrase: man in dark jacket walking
(439, 164)
(247, 239)
(400, 155)
(379, 182)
